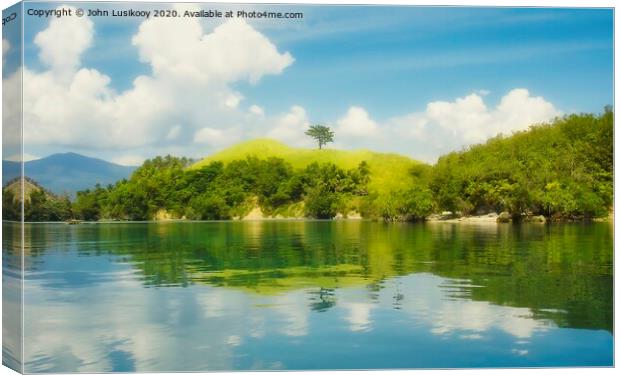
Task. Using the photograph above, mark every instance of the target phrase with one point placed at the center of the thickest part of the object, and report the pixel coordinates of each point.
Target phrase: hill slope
(562, 169)
(15, 188)
(388, 172)
(67, 172)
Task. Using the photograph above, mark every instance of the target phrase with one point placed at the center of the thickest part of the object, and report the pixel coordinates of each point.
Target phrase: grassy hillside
(562, 170)
(388, 172)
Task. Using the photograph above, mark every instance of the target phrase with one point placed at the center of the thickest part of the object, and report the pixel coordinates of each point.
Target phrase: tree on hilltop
(321, 133)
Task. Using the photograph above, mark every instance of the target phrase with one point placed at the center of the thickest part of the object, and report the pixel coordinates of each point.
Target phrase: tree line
(562, 170)
(224, 191)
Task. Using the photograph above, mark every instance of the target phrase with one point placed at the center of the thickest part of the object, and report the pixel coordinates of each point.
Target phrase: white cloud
(256, 110)
(233, 99)
(445, 126)
(359, 316)
(130, 160)
(469, 119)
(436, 308)
(413, 125)
(290, 127)
(188, 96)
(70, 106)
(22, 157)
(357, 123)
(76, 35)
(518, 110)
(293, 314)
(216, 138)
(233, 51)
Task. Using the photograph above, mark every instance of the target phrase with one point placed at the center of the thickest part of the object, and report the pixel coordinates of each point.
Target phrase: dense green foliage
(11, 209)
(563, 169)
(412, 204)
(43, 207)
(223, 191)
(389, 172)
(40, 205)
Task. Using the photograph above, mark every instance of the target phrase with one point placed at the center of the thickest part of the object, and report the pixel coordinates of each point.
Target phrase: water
(315, 295)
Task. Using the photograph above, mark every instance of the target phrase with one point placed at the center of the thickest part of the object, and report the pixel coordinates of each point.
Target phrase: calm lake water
(315, 295)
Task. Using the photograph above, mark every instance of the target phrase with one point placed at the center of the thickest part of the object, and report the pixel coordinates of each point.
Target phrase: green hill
(562, 169)
(388, 171)
(39, 203)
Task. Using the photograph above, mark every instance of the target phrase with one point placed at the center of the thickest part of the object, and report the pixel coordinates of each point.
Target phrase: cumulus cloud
(187, 104)
(216, 138)
(76, 34)
(71, 106)
(469, 118)
(444, 126)
(233, 51)
(290, 127)
(357, 123)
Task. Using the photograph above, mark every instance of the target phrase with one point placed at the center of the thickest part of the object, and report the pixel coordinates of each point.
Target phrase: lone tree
(323, 134)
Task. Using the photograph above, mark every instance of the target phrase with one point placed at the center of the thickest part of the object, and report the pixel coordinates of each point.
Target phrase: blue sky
(408, 57)
(398, 71)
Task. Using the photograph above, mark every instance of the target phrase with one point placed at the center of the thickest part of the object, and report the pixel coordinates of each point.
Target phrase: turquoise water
(315, 295)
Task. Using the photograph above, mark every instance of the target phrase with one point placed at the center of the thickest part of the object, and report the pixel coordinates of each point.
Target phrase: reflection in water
(311, 295)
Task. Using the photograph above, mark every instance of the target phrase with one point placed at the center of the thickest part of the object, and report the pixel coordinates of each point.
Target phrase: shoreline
(486, 219)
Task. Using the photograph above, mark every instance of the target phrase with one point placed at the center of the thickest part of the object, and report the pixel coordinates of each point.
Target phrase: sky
(419, 81)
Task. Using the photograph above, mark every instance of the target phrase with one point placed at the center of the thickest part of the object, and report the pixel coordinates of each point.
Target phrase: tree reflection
(561, 272)
(323, 299)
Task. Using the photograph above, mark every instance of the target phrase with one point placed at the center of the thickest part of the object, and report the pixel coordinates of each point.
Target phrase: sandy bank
(479, 219)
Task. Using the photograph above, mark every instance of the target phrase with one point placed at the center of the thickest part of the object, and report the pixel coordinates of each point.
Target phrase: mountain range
(67, 173)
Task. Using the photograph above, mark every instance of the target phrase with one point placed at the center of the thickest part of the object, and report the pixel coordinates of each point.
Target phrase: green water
(315, 295)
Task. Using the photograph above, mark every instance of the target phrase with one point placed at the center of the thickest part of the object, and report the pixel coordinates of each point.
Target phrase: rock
(539, 219)
(255, 214)
(164, 215)
(504, 217)
(446, 215)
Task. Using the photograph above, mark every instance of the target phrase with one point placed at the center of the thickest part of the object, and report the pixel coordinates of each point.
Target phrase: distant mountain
(389, 171)
(68, 172)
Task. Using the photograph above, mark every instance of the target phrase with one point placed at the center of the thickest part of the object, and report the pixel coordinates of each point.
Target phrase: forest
(562, 170)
